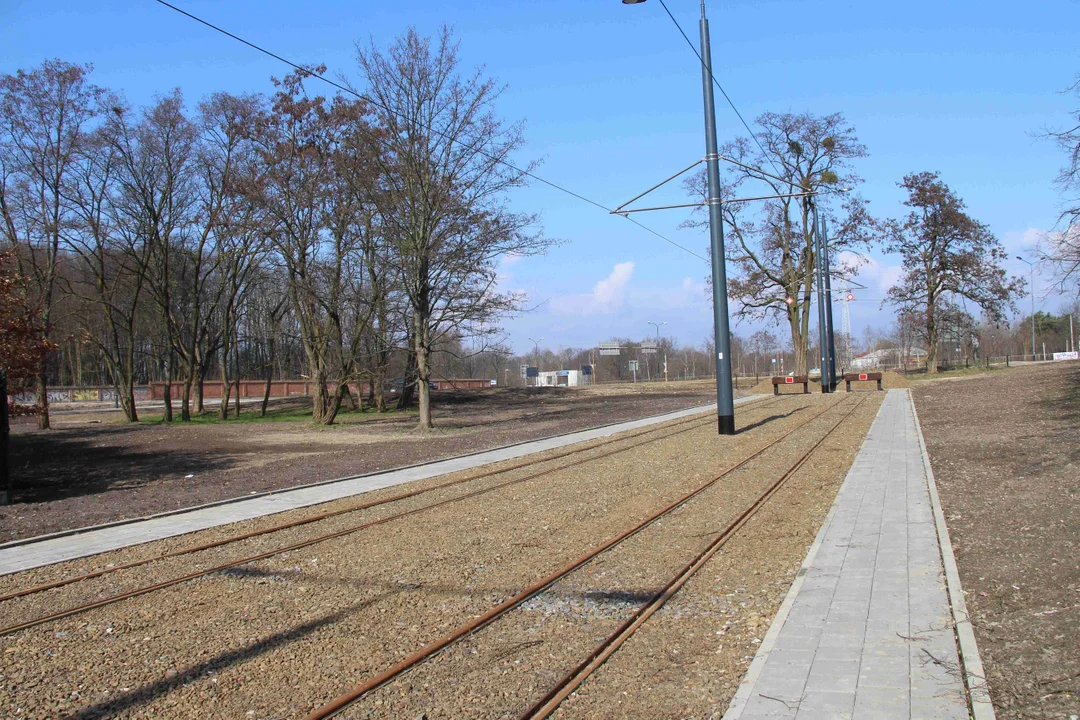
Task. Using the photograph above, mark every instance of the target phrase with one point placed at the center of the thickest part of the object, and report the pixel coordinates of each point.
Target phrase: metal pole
(823, 338)
(826, 269)
(1032, 275)
(725, 401)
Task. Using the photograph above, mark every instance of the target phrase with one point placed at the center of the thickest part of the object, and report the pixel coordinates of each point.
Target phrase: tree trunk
(408, 383)
(185, 407)
(226, 386)
(269, 376)
(322, 407)
(43, 395)
(798, 340)
(200, 406)
(167, 413)
(345, 392)
(266, 396)
(931, 340)
(236, 357)
(423, 371)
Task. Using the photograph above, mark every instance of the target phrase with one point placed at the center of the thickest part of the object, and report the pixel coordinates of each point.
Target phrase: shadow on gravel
(602, 597)
(765, 421)
(152, 691)
(69, 463)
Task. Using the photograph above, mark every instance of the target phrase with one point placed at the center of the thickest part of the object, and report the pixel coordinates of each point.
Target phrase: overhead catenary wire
(741, 119)
(344, 88)
(719, 87)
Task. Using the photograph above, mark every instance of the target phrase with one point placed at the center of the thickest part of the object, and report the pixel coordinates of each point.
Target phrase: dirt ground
(1005, 448)
(93, 468)
(277, 637)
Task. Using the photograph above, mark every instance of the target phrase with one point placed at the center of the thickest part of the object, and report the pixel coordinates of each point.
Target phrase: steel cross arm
(617, 210)
(758, 170)
(661, 207)
(702, 204)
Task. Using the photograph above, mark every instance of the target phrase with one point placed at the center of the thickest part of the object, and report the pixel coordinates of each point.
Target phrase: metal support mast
(831, 337)
(819, 289)
(725, 401)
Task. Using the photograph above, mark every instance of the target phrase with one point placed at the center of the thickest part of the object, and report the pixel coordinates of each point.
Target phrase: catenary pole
(826, 269)
(725, 401)
(823, 339)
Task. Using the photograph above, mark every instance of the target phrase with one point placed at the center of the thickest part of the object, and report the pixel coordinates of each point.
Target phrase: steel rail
(569, 683)
(325, 515)
(334, 535)
(350, 696)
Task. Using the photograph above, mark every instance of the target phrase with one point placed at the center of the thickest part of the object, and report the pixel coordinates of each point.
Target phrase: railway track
(574, 679)
(562, 689)
(652, 434)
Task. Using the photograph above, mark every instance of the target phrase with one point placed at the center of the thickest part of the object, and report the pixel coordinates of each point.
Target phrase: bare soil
(92, 468)
(1005, 448)
(276, 638)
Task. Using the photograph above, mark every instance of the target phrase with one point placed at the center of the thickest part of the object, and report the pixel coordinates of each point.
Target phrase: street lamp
(1031, 267)
(536, 358)
(725, 400)
(657, 325)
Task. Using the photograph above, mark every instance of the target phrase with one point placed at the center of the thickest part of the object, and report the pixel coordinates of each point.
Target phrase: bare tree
(44, 117)
(1062, 248)
(314, 159)
(110, 262)
(442, 191)
(771, 244)
(948, 258)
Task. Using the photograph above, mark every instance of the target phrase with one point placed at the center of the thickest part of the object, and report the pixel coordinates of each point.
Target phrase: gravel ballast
(276, 638)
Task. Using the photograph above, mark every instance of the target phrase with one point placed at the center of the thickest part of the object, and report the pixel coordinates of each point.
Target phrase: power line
(343, 88)
(720, 87)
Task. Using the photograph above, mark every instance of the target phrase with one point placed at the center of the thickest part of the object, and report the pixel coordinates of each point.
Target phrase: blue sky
(611, 97)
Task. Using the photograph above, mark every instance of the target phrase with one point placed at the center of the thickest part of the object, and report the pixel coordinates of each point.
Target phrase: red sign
(789, 380)
(862, 376)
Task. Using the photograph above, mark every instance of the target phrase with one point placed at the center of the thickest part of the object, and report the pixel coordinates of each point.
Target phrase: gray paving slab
(113, 537)
(866, 630)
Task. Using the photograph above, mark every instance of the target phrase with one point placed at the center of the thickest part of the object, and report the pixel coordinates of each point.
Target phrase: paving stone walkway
(24, 556)
(866, 630)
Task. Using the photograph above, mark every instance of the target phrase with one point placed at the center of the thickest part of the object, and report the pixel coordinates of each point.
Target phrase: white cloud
(609, 291)
(1017, 241)
(876, 275)
(511, 258)
(607, 295)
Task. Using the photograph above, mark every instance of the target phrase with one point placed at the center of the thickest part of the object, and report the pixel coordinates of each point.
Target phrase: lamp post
(657, 326)
(1031, 268)
(536, 358)
(725, 400)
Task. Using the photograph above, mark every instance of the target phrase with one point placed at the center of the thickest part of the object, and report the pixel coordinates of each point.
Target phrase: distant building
(875, 358)
(559, 378)
(887, 357)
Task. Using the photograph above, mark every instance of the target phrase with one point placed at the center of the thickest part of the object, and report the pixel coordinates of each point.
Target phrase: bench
(791, 380)
(862, 377)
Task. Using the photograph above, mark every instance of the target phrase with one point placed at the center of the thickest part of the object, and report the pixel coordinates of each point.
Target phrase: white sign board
(609, 351)
(1067, 356)
(647, 350)
(633, 365)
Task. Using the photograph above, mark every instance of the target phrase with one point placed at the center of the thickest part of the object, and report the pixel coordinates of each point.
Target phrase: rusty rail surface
(349, 697)
(681, 426)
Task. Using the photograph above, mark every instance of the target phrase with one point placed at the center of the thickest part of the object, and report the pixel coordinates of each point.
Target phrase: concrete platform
(870, 626)
(24, 555)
